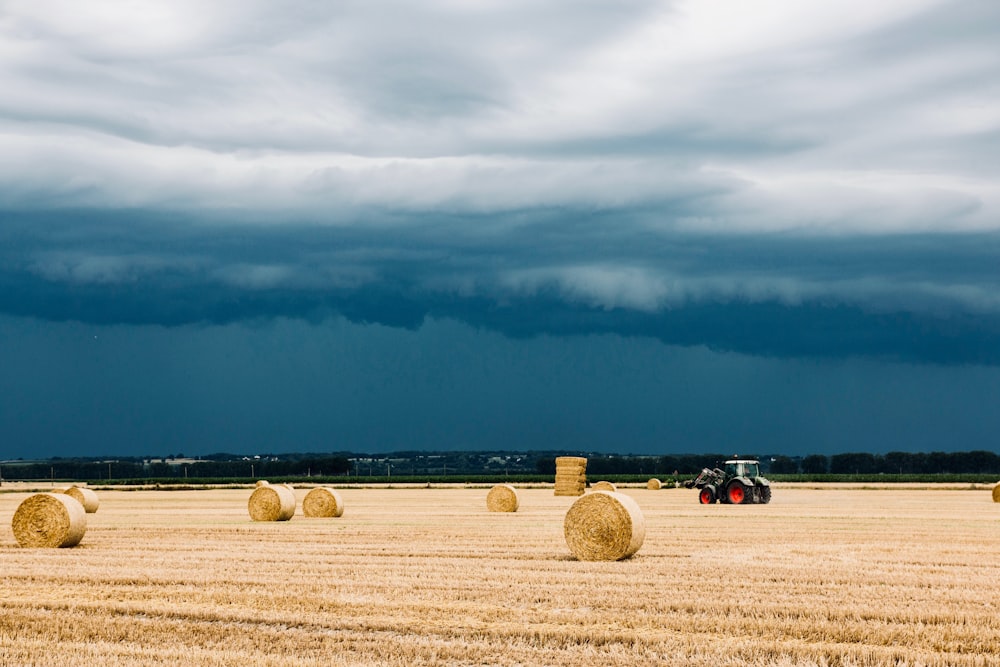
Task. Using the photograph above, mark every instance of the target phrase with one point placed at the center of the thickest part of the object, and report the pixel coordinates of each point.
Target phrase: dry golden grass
(821, 576)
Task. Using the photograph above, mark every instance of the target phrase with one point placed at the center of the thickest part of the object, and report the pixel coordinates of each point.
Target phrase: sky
(637, 227)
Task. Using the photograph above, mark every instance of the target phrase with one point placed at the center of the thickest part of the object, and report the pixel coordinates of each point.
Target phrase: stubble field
(417, 576)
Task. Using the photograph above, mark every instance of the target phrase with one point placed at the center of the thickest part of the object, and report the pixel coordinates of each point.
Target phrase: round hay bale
(604, 525)
(603, 486)
(654, 484)
(86, 497)
(502, 498)
(271, 503)
(996, 493)
(49, 520)
(322, 502)
(263, 482)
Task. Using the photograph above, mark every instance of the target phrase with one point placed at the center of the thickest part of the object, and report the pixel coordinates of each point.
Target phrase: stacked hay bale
(322, 502)
(604, 526)
(49, 520)
(502, 498)
(996, 493)
(86, 497)
(603, 486)
(571, 475)
(654, 484)
(272, 503)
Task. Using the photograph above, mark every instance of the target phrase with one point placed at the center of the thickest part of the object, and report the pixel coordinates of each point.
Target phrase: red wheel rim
(736, 495)
(705, 496)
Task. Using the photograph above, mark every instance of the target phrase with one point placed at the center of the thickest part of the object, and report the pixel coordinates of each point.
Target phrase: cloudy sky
(645, 227)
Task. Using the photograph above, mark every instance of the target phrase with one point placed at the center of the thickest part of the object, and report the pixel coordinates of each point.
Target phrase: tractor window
(742, 469)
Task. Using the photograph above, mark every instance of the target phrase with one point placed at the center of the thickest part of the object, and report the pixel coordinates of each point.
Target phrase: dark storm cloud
(927, 298)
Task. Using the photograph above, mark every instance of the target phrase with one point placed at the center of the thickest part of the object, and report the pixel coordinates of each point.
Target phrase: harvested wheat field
(416, 576)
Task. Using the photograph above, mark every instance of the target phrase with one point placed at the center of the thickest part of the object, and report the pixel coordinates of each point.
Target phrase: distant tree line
(598, 464)
(261, 468)
(130, 469)
(892, 463)
(856, 463)
(682, 465)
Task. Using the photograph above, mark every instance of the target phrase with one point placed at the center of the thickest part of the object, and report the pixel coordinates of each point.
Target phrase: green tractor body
(738, 483)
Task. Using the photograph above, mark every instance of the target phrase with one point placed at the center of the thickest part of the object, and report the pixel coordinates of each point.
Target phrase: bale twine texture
(86, 497)
(603, 486)
(571, 475)
(604, 525)
(322, 502)
(49, 520)
(996, 493)
(271, 503)
(502, 498)
(654, 484)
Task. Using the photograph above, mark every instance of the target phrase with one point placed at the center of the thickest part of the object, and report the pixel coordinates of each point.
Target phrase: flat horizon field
(824, 575)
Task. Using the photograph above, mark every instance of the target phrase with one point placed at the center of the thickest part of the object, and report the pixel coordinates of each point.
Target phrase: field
(418, 576)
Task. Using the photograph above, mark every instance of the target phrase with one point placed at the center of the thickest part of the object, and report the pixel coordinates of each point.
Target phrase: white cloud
(600, 286)
(492, 108)
(96, 268)
(649, 290)
(255, 276)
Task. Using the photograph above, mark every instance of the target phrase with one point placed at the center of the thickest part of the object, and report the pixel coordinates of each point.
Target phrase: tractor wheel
(765, 494)
(706, 496)
(736, 493)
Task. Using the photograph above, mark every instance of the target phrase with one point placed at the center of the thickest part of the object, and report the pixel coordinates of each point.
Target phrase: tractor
(738, 483)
